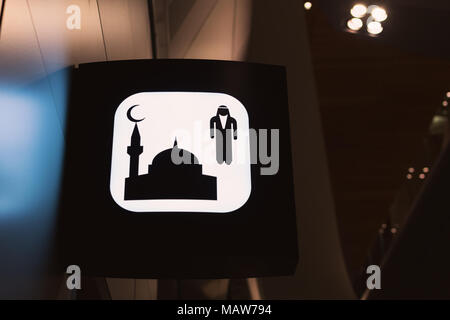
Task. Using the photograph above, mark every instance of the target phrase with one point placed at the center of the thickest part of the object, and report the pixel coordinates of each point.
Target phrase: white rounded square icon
(181, 152)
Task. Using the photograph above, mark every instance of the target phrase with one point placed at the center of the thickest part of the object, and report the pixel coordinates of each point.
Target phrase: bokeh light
(374, 27)
(354, 24)
(358, 10)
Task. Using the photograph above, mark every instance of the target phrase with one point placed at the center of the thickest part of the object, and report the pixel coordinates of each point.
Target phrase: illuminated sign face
(181, 152)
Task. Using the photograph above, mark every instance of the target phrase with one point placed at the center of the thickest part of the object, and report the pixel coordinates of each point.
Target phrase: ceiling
(376, 103)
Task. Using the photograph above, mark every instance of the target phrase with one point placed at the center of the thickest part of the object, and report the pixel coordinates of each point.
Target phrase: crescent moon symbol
(130, 117)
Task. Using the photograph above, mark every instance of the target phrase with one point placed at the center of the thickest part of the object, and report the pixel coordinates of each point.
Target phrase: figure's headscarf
(223, 111)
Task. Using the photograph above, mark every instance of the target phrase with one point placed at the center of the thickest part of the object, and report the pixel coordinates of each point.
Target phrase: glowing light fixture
(358, 10)
(378, 13)
(354, 24)
(308, 5)
(444, 103)
(374, 27)
(371, 15)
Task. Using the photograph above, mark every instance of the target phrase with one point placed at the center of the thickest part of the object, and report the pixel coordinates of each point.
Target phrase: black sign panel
(178, 169)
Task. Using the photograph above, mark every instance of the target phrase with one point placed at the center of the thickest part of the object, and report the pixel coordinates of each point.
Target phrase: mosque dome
(174, 174)
(164, 158)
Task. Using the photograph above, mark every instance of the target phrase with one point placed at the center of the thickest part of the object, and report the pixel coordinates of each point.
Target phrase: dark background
(377, 97)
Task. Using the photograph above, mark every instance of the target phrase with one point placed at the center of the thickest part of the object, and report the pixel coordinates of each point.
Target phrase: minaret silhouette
(134, 150)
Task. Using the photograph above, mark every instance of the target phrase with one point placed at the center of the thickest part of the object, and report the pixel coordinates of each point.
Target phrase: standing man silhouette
(223, 126)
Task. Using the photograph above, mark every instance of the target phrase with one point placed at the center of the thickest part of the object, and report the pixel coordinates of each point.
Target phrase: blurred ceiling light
(426, 169)
(374, 27)
(308, 5)
(409, 176)
(411, 170)
(358, 10)
(354, 24)
(448, 94)
(439, 124)
(378, 13)
(444, 103)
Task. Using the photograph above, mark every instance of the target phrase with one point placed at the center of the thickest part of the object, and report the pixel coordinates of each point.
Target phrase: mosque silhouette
(166, 179)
